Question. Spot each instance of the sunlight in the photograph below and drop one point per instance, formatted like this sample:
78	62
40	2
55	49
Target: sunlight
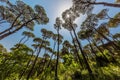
63	6
66	4
37	44
67	16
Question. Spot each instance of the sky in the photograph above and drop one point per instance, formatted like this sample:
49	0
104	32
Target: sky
54	8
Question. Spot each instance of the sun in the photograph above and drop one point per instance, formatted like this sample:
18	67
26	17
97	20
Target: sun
66	4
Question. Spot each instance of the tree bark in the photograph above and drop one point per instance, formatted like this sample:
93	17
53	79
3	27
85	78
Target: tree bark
56	67
87	65
112	54
27	64
114	44
34	61
47	66
92	50
100	50
105	4
77	54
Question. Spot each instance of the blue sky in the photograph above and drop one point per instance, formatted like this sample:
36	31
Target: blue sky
54	8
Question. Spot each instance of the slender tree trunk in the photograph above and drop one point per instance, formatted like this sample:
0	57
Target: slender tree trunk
20	42
114	44
87	65
27	64
115	40
77	54
109	51
57	61
52	54
41	71
83	54
43	65
100	50
29	74
47	66
26	40
22	39
92	50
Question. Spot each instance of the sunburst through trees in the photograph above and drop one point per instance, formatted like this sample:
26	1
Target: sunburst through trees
91	52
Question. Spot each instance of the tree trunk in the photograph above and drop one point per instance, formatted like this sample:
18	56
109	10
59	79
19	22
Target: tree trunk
112	54
40	64
26	40
92	50
114	44
27	64
87	65
77	54
20	42
29	74
56	67
47	66
100	50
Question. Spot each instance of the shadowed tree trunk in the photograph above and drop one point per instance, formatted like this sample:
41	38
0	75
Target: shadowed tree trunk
51	55
57	26
29	74
111	53
87	65
56	68
49	62
114	44
80	60
100	50
27	65
91	47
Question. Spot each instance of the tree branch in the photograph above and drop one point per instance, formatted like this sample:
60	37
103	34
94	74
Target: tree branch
11	32
105	4
11	25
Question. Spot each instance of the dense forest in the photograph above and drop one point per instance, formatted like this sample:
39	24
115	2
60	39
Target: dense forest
98	59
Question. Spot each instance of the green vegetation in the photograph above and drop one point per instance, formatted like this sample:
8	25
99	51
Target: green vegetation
14	66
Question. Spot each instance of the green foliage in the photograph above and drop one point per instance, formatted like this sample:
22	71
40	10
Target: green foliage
13	63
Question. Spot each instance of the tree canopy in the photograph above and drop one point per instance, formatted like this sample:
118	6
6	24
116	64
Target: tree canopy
91	52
